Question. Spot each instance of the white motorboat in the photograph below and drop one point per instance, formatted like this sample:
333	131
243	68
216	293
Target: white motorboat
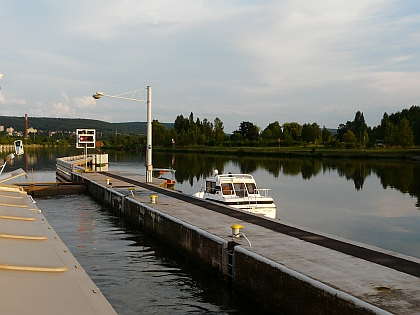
239	191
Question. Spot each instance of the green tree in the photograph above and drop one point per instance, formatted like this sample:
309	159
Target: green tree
349	137
267	134
207	131
193	134
294	130
272	131
359	126
404	133
287	138
307	134
326	135
219	133
342	130
160	134
311	133
181	124
249	131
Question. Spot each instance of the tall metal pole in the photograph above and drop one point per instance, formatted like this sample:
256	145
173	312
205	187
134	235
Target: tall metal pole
149	166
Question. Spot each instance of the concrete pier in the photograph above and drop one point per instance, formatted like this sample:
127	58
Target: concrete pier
286	268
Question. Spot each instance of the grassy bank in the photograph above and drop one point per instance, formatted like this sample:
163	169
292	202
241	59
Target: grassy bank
306	152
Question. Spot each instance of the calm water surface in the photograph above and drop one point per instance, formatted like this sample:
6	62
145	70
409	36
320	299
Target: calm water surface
375	203
137	274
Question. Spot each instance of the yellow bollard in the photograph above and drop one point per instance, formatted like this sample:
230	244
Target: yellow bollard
236	229
153	198
108	180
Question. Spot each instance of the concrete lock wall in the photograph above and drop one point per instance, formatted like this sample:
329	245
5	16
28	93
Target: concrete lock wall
198	244
208	249
290	292
273	285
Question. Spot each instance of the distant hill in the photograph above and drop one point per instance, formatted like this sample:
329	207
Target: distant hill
333	131
47	124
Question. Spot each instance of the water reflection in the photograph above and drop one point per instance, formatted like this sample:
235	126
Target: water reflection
403	176
136	273
373	202
191	168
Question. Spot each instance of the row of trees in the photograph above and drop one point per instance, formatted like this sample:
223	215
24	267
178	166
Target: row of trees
43	139
398	129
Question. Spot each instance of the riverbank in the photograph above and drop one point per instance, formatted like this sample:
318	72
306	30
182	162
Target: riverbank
304	152
313	152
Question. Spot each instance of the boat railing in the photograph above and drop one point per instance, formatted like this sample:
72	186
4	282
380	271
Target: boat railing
248	176
263	191
245	193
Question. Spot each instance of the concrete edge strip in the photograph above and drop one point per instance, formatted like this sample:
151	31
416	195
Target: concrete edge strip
24	237
314	283
33	268
12	205
11	197
10	217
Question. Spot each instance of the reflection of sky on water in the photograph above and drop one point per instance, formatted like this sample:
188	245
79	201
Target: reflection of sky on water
132	269
380	217
326	202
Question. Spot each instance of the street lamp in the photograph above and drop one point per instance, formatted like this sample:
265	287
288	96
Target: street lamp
124	96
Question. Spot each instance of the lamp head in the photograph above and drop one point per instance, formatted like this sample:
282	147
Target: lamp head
98	95
9	157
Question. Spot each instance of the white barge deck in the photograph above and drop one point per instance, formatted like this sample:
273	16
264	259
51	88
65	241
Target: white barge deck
38	273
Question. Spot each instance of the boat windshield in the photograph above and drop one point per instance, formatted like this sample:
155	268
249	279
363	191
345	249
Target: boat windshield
210	187
252	189
244	189
227	189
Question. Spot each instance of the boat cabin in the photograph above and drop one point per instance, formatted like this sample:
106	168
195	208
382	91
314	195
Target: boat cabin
240	185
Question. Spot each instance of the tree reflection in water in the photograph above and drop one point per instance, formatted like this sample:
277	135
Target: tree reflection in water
403	176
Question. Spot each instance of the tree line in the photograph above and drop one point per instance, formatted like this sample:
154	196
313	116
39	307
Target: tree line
398	129
401	129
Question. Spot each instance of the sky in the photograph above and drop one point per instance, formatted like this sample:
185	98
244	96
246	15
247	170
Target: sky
259	61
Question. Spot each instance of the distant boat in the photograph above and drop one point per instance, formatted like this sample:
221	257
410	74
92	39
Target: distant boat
239	191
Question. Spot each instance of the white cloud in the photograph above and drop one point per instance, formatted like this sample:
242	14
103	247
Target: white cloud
10	102
60	110
85	101
243	60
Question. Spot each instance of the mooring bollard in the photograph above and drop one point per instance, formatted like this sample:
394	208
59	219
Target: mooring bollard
108	181
236	229
131	191
153	198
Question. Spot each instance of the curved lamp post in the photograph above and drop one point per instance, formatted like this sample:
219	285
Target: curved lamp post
125	96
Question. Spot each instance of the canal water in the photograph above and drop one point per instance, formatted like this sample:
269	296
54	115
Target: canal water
136	273
372	202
